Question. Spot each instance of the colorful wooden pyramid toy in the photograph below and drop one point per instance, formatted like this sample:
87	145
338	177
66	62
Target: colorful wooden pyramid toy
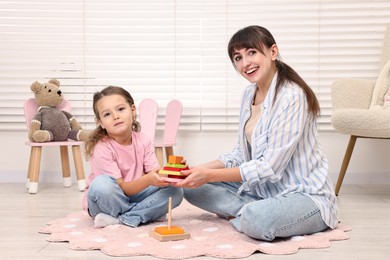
172	170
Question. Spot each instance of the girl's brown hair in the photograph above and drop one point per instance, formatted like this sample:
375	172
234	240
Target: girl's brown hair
258	37
100	133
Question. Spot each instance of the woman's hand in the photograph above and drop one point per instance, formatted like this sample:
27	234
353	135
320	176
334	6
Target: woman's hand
196	177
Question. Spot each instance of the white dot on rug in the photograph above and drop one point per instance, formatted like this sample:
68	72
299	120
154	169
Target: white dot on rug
199	238
266	244
134	244
74	219
195	221
143	235
210	229
76	233
297	238
99	240
179	246
225	246
70	226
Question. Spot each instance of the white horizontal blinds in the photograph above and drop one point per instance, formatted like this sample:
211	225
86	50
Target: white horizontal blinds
131	44
165	49
214	66
351	41
37	40
188	58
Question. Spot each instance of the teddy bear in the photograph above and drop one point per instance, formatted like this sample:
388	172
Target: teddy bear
51	123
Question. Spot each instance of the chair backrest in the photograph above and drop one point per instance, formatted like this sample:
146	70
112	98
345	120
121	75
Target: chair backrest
383	81
172	120
386	47
31	108
148	110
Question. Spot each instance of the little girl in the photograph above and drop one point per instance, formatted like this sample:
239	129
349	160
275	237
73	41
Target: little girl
123	186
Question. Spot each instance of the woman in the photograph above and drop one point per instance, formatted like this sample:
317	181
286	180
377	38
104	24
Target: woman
275	181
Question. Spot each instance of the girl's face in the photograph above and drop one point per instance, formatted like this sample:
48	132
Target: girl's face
116	116
255	66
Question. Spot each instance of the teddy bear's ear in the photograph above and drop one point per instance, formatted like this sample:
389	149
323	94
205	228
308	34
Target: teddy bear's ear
55	82
36	87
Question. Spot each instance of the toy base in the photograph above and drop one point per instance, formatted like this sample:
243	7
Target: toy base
173	237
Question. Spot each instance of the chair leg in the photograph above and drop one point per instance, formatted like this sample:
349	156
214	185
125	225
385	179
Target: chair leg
168	151
65	166
344	166
30	167
159	154
78	162
34	168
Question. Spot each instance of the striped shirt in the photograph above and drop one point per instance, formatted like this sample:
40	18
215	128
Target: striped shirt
285	156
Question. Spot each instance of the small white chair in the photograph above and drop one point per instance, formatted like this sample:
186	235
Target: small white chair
172	120
30	110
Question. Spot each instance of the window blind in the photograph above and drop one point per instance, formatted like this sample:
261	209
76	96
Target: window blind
177	49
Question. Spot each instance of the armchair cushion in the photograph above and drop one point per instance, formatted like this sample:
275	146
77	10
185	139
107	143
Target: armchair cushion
362	107
374	122
352	93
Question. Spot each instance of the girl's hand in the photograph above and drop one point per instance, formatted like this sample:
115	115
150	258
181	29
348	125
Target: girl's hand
156	180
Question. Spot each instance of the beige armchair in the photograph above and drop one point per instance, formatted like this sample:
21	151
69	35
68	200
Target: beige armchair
358	109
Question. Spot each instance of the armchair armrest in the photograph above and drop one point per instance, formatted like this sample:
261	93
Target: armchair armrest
352	93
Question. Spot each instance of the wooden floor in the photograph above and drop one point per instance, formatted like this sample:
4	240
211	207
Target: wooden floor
365	208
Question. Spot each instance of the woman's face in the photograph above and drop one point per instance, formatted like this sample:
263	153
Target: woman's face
255	66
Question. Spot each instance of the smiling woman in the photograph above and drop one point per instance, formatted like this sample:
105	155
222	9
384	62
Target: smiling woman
277	162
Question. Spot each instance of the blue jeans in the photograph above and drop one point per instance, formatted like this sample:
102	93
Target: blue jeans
283	216
105	196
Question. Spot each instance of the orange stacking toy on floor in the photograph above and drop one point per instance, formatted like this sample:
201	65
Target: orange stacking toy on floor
169	233
172	170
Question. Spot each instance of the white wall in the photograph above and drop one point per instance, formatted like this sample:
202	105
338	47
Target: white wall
369	162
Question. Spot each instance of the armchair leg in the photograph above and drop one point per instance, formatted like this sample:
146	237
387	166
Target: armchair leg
344	166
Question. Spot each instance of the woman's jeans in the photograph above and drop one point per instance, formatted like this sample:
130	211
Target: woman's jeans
265	219
106	196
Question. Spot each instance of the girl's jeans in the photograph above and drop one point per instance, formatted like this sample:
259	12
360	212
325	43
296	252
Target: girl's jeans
105	196
265	219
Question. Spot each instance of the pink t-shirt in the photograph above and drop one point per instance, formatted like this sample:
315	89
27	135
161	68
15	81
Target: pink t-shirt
129	162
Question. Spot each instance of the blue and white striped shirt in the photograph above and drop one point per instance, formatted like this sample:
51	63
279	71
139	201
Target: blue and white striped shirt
285	156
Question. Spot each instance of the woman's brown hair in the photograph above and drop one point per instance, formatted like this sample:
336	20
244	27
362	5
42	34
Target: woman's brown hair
258	37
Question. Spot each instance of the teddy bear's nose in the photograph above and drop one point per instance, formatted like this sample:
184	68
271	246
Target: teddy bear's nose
59	92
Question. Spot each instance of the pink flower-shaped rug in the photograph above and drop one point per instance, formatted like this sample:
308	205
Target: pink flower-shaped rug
210	236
